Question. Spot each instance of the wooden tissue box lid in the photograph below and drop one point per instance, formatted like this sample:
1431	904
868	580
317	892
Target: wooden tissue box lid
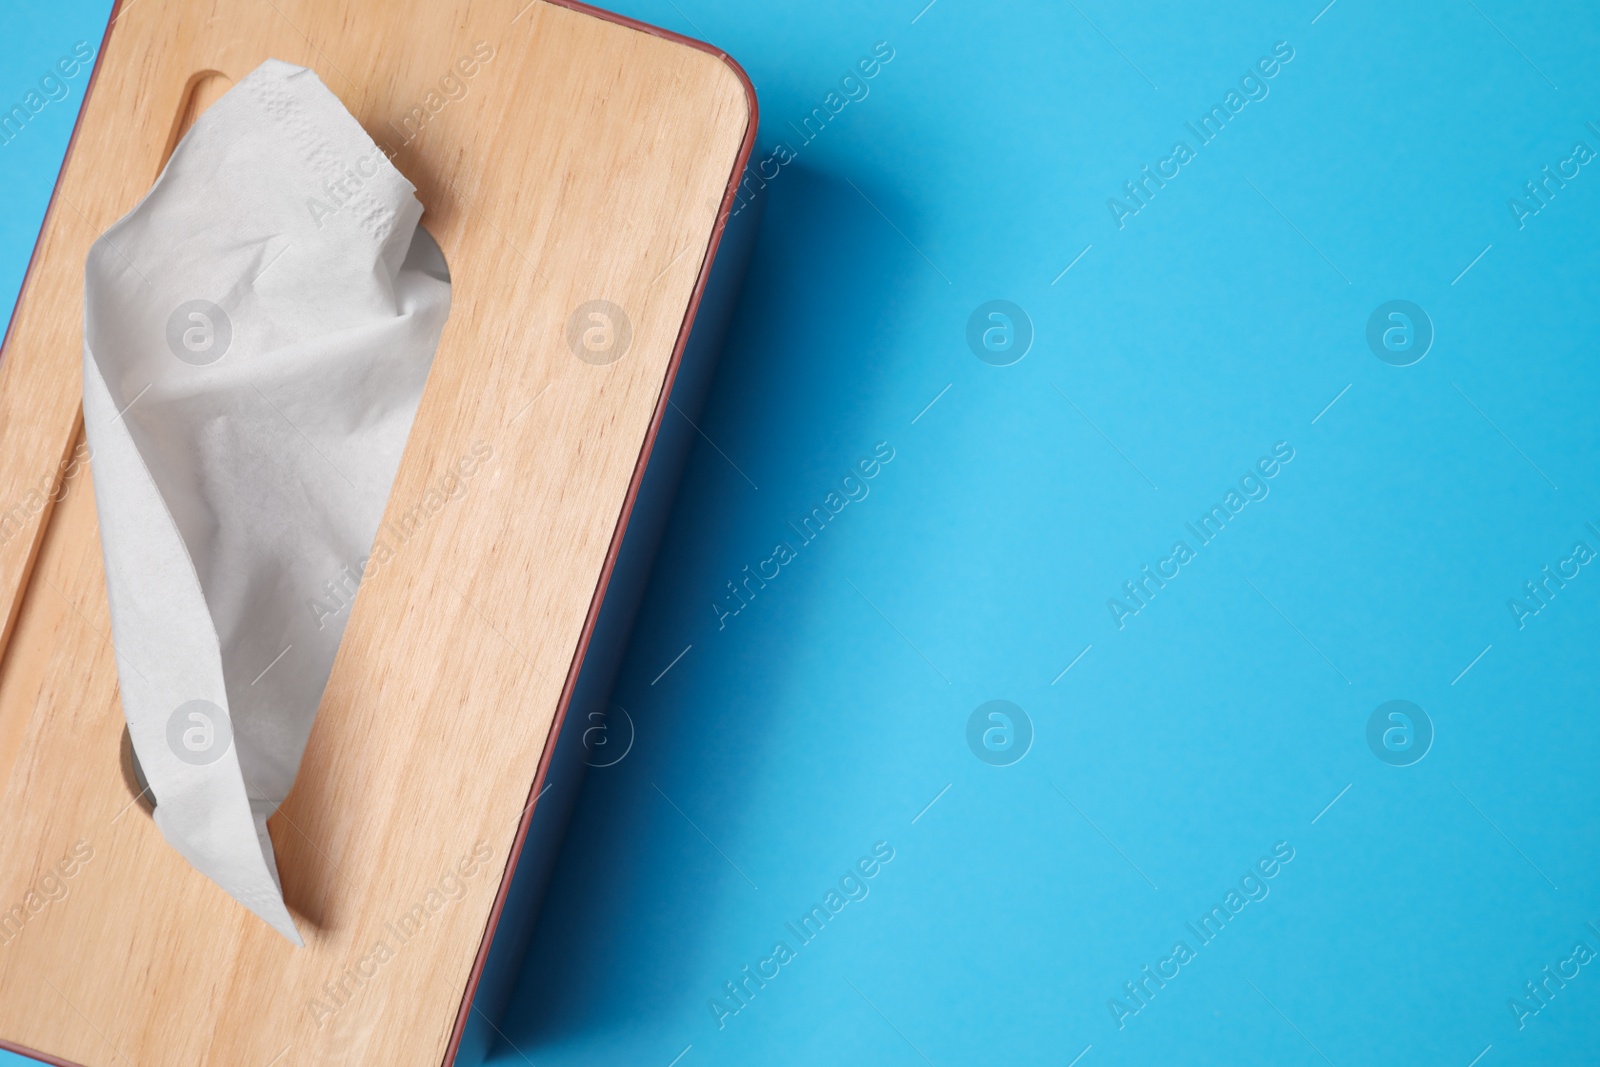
583	158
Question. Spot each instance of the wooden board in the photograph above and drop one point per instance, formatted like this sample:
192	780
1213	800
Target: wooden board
586	158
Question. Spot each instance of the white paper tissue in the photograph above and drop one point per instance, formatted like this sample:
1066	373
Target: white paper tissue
257	332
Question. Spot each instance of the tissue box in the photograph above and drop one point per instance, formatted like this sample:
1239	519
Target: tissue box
580	172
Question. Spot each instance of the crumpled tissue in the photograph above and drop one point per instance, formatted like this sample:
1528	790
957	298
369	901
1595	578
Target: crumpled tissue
257	333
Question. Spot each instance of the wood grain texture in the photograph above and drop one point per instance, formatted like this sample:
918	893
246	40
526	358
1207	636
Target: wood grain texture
585	160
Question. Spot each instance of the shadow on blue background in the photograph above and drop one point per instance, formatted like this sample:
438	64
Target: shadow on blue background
1222	728
730	519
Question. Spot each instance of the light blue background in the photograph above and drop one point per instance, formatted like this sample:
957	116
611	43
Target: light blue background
1228	714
